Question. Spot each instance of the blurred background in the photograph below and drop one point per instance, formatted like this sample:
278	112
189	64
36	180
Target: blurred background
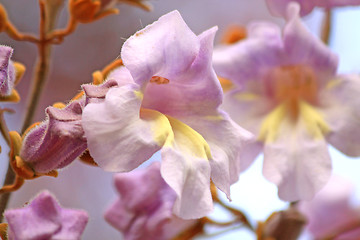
94	45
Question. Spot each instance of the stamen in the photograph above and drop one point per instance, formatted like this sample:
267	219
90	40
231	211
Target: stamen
159	80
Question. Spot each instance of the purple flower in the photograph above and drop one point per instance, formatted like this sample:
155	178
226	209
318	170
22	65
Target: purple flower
7	71
287	93
167	98
144	210
331	211
44	218
57	141
278	7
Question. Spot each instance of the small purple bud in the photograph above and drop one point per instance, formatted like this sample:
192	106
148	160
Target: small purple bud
7	71
57	141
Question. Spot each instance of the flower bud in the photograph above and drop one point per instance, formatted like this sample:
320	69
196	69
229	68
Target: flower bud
57	141
44	218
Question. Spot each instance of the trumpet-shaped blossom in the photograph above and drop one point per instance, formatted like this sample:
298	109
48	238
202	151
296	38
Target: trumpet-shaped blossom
44	218
7	71
57	141
287	93
144	210
278	7
333	203
166	98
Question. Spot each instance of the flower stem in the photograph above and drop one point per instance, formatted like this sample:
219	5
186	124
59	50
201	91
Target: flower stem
326	27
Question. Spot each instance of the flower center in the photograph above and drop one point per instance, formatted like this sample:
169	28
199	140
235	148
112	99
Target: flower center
159	80
292	84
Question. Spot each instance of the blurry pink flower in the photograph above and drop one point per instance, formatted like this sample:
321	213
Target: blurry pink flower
57	141
44	218
331	211
167	99
144	210
287	93
278	7
7	71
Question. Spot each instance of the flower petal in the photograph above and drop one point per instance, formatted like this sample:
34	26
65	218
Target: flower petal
117	138
261	50
165	48
232	148
341	107
198	87
301	47
185	168
278	7
297	162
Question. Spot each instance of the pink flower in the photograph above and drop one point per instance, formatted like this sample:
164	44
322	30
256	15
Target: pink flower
278	7
44	218
7	71
144	210
287	93
330	211
167	99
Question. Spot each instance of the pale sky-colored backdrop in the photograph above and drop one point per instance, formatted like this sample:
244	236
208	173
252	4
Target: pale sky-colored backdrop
94	45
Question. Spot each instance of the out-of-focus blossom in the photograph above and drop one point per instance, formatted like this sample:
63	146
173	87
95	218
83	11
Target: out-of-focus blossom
144	210
57	141
44	218
278	7
167	99
287	93
331	211
10	74
137	3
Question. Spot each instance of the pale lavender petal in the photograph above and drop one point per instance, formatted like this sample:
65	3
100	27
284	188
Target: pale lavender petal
145	206
262	50
57	141
118	139
341	109
165	48
197	87
297	162
336	3
185	167
332	202
7	71
44	218
303	48
232	148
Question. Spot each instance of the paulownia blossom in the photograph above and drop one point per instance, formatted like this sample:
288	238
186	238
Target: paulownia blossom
278	7
331	211
44	218
144	209
166	98
287	93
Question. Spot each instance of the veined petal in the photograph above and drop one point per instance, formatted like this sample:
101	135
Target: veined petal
185	168
120	137
297	160
198	87
261	50
232	148
165	48
341	107
301	47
